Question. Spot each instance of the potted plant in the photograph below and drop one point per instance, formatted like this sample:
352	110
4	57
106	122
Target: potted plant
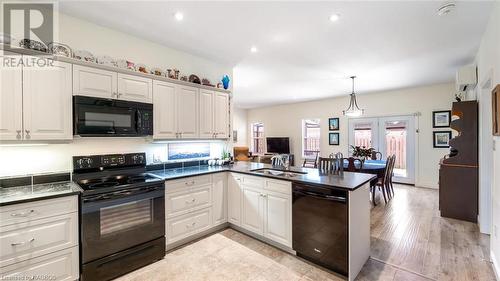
362	152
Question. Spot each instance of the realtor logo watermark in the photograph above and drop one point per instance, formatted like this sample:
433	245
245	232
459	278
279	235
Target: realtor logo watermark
30	24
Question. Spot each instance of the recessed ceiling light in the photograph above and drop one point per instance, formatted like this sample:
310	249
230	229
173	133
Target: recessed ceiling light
254	49
179	16
446	9
334	17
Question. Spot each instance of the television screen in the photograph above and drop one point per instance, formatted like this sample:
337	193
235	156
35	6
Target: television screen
278	145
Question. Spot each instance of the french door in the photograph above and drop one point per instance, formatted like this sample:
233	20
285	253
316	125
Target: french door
394	135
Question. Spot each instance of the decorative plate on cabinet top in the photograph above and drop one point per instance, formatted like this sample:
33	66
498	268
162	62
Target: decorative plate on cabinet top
33	45
141	68
194	79
60	49
84	55
184	78
106	60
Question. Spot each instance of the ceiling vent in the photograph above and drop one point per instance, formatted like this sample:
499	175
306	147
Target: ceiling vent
466	78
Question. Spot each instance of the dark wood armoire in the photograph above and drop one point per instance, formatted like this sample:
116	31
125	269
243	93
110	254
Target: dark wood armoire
458	173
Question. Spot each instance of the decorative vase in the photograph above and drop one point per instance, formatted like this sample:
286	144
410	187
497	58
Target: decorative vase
225	82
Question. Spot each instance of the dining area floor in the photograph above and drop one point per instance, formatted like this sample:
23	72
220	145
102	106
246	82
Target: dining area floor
409	242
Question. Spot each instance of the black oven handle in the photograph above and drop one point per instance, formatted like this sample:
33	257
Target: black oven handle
96	202
321	196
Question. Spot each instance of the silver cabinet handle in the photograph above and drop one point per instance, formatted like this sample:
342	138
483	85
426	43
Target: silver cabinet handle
180	135
22	243
27	134
18	136
189	183
23	214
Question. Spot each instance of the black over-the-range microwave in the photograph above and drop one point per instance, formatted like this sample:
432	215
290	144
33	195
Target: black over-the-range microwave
98	117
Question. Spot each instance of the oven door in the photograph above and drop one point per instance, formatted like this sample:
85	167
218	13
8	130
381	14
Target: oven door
101	117
115	222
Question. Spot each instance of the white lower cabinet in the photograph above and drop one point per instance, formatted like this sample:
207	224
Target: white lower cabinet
59	266
219	195
265	211
186	225
234	199
40	239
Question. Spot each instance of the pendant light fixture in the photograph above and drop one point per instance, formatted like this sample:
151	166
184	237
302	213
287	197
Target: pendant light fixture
353	110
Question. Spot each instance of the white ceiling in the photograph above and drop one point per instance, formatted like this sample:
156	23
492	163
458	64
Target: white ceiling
302	55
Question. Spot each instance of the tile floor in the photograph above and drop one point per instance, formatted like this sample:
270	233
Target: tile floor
410	242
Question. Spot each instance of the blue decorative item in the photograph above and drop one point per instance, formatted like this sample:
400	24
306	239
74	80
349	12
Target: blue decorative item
225	82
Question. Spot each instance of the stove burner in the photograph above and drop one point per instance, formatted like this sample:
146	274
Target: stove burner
103	184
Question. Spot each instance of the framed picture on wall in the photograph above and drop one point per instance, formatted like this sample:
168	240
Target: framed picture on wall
333	124
334	138
495	102
441	119
441	139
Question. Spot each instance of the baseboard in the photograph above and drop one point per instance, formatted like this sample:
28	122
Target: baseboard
496	269
197	236
427	185
263	239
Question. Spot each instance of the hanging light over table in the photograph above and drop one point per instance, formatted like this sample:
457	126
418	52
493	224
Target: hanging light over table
353	110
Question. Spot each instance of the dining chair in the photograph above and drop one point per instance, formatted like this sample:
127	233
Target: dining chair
326	165
376	155
383	182
391	174
311	162
351	167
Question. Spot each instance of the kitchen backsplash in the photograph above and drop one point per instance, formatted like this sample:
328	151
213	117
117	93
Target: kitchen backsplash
51	158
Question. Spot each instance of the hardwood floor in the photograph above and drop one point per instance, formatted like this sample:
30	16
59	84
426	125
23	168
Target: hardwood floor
410	242
409	233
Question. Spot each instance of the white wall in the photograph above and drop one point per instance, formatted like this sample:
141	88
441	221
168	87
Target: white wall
99	40
488	61
285	120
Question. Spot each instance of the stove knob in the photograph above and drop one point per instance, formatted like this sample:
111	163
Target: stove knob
138	158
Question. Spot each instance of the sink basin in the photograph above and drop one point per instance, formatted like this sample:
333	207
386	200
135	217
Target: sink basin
280	173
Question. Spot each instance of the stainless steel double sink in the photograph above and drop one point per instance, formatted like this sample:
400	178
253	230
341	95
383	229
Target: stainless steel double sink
278	173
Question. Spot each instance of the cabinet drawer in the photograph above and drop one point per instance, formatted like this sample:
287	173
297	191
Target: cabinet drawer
253	181
183	226
185	201
279	186
175	185
25	212
61	265
32	239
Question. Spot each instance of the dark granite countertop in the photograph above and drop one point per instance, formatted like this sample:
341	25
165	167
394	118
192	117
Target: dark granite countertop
347	180
33	192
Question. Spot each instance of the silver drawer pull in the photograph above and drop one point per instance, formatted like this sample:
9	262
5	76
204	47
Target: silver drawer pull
22	243
191	201
23	214
189	183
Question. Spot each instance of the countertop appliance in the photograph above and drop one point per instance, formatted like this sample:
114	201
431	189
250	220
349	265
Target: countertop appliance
97	117
122	214
320	226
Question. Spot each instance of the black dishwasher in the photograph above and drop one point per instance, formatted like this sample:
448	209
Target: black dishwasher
320	226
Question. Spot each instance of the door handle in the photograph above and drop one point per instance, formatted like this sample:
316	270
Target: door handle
27	134
22	243
23	214
18	136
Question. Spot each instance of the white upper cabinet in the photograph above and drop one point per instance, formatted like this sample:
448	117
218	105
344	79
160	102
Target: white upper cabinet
187	112
206	114
164	110
88	81
11	100
47	102
221	115
135	88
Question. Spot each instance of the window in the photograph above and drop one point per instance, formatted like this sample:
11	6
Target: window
258	140
311	136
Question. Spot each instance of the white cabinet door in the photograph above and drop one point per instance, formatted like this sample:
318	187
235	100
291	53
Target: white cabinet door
234	199
11	99
187	111
219	195
251	209
135	88
47	102
221	115
88	81
277	218
206	114
164	113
